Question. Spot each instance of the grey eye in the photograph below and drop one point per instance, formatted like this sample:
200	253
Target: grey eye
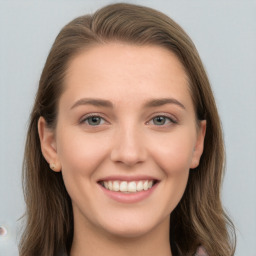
160	120
94	120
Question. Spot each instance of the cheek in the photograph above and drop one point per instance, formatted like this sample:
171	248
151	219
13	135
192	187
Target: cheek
80	157
175	187
174	159
174	153
79	152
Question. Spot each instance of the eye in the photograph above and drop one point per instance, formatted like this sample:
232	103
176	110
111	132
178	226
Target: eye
161	120
93	120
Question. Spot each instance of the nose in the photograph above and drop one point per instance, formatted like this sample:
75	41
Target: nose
128	146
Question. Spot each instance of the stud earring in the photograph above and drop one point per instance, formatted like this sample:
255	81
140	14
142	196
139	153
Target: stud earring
52	166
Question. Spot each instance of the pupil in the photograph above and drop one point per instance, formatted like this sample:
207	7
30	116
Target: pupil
159	120
94	120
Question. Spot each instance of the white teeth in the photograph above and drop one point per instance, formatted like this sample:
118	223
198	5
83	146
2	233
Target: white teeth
116	186
105	184
140	186
123	186
110	186
132	186
126	186
145	185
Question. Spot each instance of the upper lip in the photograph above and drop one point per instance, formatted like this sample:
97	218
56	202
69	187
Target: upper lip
128	178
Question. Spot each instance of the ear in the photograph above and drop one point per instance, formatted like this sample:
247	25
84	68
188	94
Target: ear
199	146
48	145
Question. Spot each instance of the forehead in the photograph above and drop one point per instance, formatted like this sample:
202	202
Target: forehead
117	70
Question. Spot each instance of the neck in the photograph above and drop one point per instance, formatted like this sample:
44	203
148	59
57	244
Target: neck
91	242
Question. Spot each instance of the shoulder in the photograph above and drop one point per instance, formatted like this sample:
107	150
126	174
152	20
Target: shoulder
201	252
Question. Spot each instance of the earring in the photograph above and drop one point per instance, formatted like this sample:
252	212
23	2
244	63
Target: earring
52	166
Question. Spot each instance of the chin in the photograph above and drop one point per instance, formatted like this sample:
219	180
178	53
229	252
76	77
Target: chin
128	231
134	227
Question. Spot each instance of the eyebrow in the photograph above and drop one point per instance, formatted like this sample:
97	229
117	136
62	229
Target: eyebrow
108	104
94	102
163	101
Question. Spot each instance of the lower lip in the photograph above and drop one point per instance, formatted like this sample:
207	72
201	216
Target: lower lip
129	197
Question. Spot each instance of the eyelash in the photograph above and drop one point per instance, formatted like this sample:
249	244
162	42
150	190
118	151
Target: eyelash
87	117
165	116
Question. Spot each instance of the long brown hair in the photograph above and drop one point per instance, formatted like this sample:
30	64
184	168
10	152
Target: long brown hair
199	218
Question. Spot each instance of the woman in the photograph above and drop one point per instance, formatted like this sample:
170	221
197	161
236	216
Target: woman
124	151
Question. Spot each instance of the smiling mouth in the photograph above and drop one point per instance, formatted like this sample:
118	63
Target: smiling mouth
128	186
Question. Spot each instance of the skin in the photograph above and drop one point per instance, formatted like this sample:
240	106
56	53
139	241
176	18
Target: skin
128	141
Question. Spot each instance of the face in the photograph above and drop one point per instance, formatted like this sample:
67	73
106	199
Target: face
126	137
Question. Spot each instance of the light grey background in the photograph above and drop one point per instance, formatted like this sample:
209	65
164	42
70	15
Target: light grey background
225	35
